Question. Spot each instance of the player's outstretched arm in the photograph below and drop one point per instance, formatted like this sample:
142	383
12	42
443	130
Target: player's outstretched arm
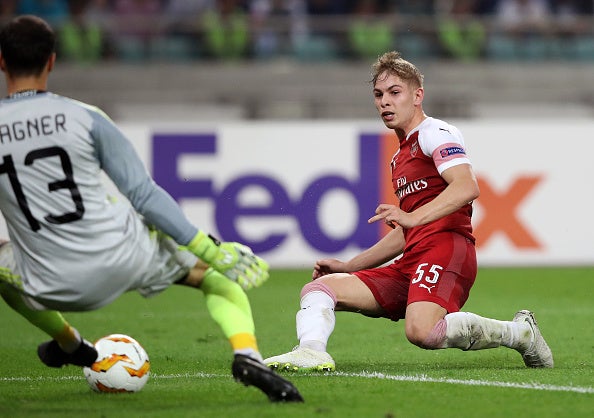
386	249
234	260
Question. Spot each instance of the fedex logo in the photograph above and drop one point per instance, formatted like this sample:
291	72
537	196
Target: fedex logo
365	190
371	185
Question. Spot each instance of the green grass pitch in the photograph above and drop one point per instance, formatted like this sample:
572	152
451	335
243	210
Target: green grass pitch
379	374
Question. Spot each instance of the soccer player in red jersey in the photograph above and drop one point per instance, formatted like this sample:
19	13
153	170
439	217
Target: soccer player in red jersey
431	243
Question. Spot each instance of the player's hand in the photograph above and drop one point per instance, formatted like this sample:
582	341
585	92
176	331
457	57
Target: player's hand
240	264
328	266
393	216
234	260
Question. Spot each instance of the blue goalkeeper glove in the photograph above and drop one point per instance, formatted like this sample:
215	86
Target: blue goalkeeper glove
234	260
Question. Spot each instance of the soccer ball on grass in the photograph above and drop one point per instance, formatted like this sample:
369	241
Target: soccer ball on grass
122	365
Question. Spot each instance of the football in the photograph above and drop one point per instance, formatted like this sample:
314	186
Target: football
122	365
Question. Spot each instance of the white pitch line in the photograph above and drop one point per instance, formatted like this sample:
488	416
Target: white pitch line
471	382
71	378
364	374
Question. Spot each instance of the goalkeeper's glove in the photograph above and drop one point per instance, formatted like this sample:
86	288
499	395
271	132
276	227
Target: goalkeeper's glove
234	260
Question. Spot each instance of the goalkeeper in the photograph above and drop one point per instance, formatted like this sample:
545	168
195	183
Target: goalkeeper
73	247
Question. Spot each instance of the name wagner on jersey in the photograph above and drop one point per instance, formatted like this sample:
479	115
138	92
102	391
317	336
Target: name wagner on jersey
32	128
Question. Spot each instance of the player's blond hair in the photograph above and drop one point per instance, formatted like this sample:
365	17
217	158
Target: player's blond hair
392	63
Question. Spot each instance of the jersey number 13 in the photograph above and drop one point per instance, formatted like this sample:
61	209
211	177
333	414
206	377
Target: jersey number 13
7	167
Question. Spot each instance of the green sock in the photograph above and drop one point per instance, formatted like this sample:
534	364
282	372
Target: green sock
50	322
229	306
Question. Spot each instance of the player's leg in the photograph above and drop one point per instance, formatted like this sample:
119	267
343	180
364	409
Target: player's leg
230	308
228	305
441	285
468	331
66	346
429	326
226	301
315	320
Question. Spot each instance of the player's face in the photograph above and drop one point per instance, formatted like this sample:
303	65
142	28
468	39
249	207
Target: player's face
397	102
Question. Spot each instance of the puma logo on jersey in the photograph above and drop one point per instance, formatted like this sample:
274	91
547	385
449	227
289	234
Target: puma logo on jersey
427	287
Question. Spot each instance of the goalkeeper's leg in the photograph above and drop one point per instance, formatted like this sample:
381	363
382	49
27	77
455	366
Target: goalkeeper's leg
66	346
229	306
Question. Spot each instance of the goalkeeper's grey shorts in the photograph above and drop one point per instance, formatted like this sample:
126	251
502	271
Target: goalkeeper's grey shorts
161	264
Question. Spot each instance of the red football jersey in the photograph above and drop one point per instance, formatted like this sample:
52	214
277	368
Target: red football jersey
427	151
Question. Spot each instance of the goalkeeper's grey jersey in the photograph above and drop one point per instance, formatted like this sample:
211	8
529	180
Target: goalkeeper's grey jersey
66	230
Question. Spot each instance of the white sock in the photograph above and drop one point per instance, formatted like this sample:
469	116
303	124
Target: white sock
469	331
315	320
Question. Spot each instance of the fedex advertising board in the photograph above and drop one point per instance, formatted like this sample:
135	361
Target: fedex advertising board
291	193
296	192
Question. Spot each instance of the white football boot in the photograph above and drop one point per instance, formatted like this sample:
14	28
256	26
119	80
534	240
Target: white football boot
302	359
537	353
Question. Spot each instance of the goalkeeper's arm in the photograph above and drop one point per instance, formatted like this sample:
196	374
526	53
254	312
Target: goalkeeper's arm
121	163
236	261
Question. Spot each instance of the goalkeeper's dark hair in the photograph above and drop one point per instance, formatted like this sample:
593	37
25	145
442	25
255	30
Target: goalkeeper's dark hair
26	43
392	63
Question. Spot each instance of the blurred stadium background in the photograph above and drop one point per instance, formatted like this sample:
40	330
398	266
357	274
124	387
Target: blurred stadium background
285	83
307	59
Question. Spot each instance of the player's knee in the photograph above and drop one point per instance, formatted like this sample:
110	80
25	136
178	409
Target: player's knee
318	286
415	333
429	337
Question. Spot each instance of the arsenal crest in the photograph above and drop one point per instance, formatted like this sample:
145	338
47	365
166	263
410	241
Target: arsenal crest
414	147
